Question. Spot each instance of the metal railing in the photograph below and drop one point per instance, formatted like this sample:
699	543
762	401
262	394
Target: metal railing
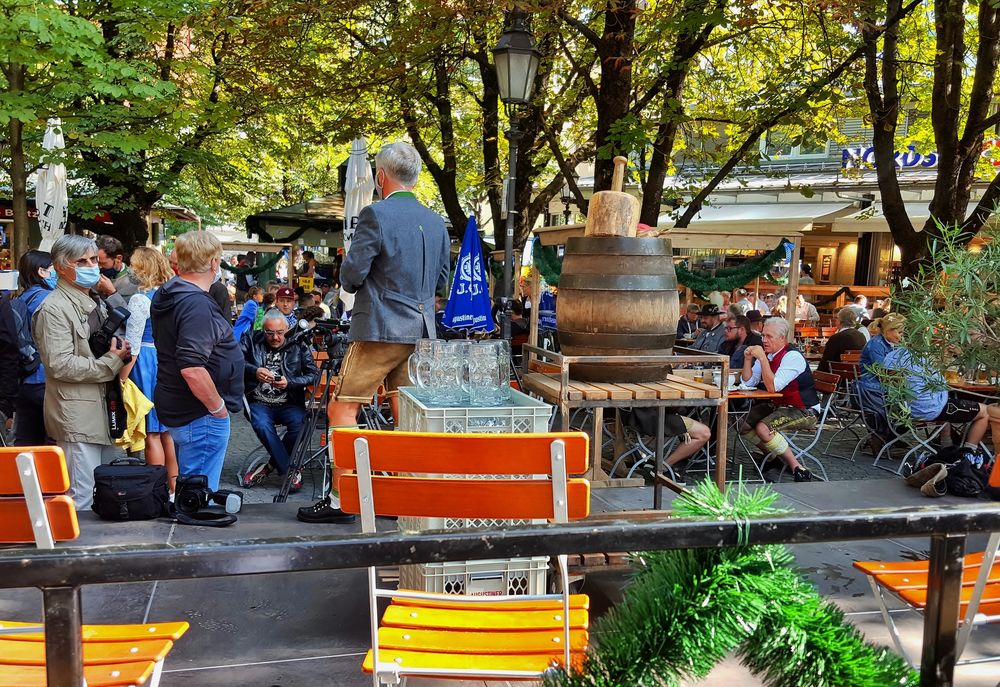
60	573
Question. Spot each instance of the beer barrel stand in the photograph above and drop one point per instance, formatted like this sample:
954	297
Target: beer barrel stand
547	374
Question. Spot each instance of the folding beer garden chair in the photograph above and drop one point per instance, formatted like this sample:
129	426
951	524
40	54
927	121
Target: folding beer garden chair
516	637
907	581
802	442
34	507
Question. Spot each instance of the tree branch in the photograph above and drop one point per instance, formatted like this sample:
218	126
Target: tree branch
696	203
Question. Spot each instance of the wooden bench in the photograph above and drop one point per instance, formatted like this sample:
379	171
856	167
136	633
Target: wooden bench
510	637
907	581
34	508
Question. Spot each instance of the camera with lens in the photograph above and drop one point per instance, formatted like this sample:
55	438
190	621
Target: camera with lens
193	494
100	341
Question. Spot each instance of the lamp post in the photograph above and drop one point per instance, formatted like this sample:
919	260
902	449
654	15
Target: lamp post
567	198
516	59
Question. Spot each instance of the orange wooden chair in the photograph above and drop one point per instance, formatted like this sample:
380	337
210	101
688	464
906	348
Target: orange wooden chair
850	357
457	636
806	332
907	581
34	507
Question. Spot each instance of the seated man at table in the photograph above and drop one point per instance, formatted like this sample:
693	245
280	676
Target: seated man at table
739	335
687	326
847	338
692	434
275	379
713	331
779	367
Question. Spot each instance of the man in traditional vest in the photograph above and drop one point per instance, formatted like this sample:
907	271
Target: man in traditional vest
780	368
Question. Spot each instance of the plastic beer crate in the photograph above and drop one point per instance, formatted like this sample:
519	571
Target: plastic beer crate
523	415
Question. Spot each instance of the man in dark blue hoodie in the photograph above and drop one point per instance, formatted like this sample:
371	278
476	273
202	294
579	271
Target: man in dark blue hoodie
200	376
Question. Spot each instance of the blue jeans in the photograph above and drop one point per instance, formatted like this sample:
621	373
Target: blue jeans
201	447
264	419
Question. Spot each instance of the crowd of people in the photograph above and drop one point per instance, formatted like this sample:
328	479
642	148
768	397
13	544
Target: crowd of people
184	348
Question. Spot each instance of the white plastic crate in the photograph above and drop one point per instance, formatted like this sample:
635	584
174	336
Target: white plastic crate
498	577
523	415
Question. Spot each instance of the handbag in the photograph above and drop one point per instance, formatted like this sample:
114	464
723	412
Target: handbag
128	489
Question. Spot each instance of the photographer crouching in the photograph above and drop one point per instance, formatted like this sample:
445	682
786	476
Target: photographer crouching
75	406
275	375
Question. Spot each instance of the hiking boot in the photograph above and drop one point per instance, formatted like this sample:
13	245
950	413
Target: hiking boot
801	475
323	512
256	475
296	481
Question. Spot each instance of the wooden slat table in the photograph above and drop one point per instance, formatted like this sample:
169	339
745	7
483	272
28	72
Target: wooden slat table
675	391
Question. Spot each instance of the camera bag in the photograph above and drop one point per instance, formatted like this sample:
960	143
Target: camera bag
128	489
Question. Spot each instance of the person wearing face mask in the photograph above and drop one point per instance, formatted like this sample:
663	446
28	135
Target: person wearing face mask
75	406
36	279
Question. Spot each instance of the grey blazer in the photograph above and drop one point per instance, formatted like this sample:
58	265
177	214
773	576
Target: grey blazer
397	262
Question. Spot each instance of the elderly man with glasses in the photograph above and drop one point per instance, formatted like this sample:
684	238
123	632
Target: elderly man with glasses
276	373
75	405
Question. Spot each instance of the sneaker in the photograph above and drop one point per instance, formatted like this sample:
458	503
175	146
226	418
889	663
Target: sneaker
802	475
296	483
256	475
323	512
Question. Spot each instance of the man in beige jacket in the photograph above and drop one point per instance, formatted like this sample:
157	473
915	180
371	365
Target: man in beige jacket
75	407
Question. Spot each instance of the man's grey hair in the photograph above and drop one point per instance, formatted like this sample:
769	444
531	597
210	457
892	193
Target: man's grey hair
70	248
274	315
401	161
847	317
778	323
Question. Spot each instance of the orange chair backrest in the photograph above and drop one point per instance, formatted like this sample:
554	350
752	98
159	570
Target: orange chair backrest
826	382
807	332
845	370
465	459
53	478
850	357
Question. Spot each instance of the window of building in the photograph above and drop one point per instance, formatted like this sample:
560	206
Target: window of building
785	144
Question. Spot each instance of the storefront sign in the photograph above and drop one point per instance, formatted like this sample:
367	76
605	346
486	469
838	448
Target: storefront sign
852	158
8	213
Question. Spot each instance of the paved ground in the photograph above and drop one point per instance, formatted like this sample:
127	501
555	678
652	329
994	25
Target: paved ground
312	628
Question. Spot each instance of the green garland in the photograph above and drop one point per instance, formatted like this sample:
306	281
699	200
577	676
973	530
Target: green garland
729	278
549	266
256	269
546	261
688	609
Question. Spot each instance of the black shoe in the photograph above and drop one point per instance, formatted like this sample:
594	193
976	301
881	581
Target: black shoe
802	475
323	512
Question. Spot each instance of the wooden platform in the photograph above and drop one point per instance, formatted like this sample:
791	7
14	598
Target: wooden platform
674	387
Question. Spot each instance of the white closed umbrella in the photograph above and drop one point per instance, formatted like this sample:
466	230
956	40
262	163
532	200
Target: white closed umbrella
358	189
50	190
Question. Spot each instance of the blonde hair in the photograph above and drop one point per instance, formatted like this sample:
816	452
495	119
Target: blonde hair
195	251
150	267
887	323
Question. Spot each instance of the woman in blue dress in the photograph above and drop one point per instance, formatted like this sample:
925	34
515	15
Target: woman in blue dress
151	269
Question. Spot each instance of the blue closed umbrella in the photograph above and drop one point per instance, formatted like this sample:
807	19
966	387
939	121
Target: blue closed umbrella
469	304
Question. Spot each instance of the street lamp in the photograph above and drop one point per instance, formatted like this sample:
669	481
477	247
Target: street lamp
567	198
517	59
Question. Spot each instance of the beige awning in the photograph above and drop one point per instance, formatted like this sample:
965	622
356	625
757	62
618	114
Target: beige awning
778	218
871	220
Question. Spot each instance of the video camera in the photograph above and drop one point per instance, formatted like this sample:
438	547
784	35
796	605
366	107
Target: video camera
193	495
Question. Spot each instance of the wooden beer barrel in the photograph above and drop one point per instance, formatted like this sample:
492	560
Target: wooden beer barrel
617	296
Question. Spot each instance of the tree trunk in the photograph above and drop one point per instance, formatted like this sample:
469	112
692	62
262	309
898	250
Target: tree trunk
615	50
131	226
18	173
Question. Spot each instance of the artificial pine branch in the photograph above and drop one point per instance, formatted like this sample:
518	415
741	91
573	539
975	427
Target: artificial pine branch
686	610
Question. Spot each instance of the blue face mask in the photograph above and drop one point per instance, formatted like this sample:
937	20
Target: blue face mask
50	281
87	277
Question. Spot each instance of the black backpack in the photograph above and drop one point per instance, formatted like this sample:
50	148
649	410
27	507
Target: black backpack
963	478
28	356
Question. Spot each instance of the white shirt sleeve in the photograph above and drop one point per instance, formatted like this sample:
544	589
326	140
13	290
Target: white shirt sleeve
792	365
754	375
138	305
